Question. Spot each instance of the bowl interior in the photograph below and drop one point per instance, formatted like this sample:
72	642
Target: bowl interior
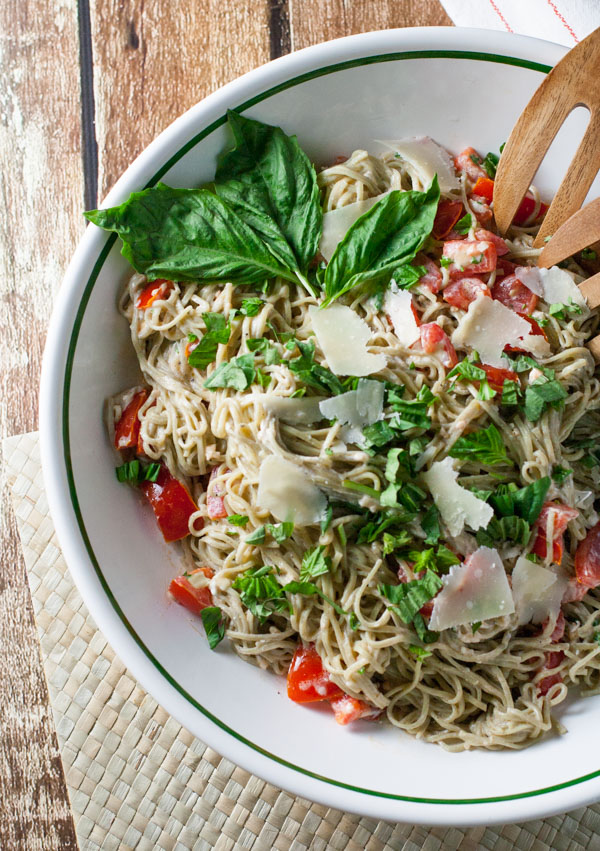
459	100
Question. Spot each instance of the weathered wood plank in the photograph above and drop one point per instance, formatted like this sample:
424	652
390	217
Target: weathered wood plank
312	21
151	65
42	193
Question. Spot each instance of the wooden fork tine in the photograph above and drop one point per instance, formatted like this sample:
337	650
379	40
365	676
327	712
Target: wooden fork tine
573	82
579	231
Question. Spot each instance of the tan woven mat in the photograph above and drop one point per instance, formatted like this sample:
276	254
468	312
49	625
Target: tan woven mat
137	779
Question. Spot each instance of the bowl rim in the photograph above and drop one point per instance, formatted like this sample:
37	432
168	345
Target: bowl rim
73	296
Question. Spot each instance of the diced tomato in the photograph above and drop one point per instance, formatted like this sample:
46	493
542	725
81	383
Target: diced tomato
434	340
484	188
307	680
469	257
525	211
415	314
481	209
186	594
562	515
470	162
559	628
347	709
127	430
448	213
587	560
433	277
501	246
514	294
153	291
496	376
551	661
172	504
462	292
504	267
214	500
189	347
536	331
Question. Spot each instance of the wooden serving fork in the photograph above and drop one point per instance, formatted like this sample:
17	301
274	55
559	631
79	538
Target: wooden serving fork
575	81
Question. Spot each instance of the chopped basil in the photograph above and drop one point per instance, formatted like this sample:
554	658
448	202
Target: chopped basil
588	254
484	445
212	618
326	521
313	374
261	593
513	529
342	535
560	474
237	519
135	472
467	370
490	164
238	373
218	330
251	306
541	395
315	563
526	502
430	523
408	597
511	393
280	532
358	487
419	652
264	347
465	224
392	542
436	560
475	627
308	589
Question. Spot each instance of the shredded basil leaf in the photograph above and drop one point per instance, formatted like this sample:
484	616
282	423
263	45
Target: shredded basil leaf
237	519
238	373
212	618
484	445
315	563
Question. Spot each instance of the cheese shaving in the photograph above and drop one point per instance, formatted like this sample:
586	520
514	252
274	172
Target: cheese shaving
343	337
456	504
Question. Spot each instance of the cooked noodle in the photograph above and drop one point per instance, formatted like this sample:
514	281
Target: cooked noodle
476	689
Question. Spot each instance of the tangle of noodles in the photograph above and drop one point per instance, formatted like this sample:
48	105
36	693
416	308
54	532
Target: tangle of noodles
475	689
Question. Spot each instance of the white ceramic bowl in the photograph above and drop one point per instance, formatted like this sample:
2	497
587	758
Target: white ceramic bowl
463	87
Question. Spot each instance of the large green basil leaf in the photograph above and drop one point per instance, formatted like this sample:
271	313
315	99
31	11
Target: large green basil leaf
268	180
383	239
188	235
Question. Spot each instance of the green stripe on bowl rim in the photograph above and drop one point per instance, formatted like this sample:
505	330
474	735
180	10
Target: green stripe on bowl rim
329	69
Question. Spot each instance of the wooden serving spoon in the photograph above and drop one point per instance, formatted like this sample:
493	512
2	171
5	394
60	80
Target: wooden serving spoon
575	81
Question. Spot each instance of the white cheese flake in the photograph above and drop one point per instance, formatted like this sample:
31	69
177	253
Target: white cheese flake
488	326
530	276
336	223
398	306
537	591
301	410
358	408
424	159
474	591
560	288
287	492
343	337
456	504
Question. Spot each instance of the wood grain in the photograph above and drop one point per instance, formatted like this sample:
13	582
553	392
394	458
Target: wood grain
312	21
42	196
149	66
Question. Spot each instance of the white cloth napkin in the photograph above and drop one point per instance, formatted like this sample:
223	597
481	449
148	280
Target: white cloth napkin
563	21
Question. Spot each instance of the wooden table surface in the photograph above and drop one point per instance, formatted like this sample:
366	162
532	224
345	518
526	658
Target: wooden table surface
85	87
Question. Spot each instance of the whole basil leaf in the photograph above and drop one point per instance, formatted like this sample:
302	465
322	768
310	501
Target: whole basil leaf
188	235
268	180
383	239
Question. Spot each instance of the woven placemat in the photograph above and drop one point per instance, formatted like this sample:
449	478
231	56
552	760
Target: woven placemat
138	779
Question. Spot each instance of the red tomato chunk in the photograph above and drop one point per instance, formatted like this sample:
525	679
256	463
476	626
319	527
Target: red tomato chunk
552	661
186	594
448	213
347	709
152	292
434	340
307	679
496	376
172	504
469	257
462	292
127	430
562	515
587	559
501	246
514	294
484	188
469	161
432	279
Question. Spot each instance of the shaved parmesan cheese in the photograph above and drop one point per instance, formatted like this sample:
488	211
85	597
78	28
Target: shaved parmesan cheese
360	407
287	492
298	410
530	276
488	326
474	591
560	288
424	159
456	504
537	591
398	306
343	337
337	222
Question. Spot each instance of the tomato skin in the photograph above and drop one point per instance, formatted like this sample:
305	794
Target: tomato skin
484	188
562	515
514	294
481	209
462	292
159	288
172	504
525	210
127	430
433	277
448	213
434	340
501	246
193	599
347	709
469	257
587	560
464	162
552	660
307	680
215	503
496	376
